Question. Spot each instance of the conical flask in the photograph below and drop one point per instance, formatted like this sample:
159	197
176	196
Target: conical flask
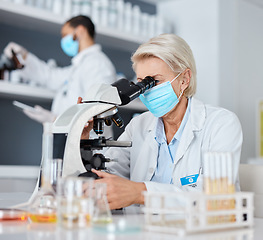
102	213
43	206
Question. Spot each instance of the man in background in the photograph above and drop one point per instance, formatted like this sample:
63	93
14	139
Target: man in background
89	66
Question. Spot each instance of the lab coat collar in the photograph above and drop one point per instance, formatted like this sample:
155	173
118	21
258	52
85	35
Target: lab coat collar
197	115
195	123
79	57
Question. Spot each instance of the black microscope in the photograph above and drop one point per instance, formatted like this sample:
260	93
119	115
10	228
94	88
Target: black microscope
77	153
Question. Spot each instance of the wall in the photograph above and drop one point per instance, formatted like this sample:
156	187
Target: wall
190	19
249	74
226	38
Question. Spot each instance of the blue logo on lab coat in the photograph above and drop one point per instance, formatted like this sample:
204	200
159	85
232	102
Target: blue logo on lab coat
188	180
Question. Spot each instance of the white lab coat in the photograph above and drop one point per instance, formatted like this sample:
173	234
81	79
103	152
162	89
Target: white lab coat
90	66
208	129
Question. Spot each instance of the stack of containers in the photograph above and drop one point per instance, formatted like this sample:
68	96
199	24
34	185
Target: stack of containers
218	179
114	14
218	207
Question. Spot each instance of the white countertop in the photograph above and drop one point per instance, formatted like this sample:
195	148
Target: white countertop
27	231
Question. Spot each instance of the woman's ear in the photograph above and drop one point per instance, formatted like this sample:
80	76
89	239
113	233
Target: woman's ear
187	74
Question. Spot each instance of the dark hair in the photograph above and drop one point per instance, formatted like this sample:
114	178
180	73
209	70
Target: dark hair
85	22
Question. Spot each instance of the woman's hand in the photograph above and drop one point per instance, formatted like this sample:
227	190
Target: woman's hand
120	191
88	126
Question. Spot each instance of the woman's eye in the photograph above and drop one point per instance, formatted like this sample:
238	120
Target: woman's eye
157	82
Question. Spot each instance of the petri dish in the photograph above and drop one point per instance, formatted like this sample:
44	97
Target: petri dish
9	214
121	225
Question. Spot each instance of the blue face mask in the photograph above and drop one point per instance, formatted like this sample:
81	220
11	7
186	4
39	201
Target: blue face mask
69	46
160	99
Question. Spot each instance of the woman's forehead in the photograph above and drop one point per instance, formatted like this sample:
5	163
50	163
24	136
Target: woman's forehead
151	67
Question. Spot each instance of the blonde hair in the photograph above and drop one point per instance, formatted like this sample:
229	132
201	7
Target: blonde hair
174	51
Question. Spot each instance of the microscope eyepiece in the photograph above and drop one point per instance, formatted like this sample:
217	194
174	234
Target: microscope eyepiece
147	83
128	91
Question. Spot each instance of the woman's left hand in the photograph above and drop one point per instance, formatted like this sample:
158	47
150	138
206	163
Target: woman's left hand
120	191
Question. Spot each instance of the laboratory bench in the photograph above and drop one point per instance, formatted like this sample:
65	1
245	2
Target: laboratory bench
127	224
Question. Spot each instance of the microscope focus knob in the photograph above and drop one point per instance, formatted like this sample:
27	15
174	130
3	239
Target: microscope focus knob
98	161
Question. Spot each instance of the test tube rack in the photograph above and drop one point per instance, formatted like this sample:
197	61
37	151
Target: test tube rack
190	212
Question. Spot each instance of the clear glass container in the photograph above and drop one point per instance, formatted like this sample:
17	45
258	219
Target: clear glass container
43	206
102	213
75	202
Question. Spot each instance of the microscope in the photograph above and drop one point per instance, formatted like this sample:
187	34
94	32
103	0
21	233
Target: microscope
102	107
10	64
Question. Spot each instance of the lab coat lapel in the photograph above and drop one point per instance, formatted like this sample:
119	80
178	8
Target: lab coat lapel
195	123
151	155
186	139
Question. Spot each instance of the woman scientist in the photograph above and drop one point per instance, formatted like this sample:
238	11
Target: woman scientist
169	140
89	66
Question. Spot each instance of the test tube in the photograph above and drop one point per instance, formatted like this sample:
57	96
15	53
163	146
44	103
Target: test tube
224	174
231	187
207	181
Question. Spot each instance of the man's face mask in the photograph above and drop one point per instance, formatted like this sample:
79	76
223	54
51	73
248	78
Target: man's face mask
69	45
160	99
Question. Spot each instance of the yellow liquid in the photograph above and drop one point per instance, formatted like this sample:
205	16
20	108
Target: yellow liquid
102	221
47	218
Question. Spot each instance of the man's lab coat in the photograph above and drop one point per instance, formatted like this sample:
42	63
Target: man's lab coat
208	129
91	66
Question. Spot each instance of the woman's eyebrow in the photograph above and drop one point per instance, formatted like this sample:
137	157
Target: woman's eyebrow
157	75
153	76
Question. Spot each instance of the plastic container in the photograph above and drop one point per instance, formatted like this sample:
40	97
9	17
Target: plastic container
76	7
190	212
57	7
67	7
104	13
86	8
95	12
136	20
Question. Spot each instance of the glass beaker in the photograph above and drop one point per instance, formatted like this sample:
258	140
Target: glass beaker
56	172
102	213
43	206
75	202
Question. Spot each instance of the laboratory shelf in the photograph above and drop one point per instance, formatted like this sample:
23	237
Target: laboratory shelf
45	21
24	91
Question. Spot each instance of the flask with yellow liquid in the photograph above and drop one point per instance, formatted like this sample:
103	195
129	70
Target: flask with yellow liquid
43	206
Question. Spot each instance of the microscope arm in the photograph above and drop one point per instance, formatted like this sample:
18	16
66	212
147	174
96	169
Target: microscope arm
71	124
